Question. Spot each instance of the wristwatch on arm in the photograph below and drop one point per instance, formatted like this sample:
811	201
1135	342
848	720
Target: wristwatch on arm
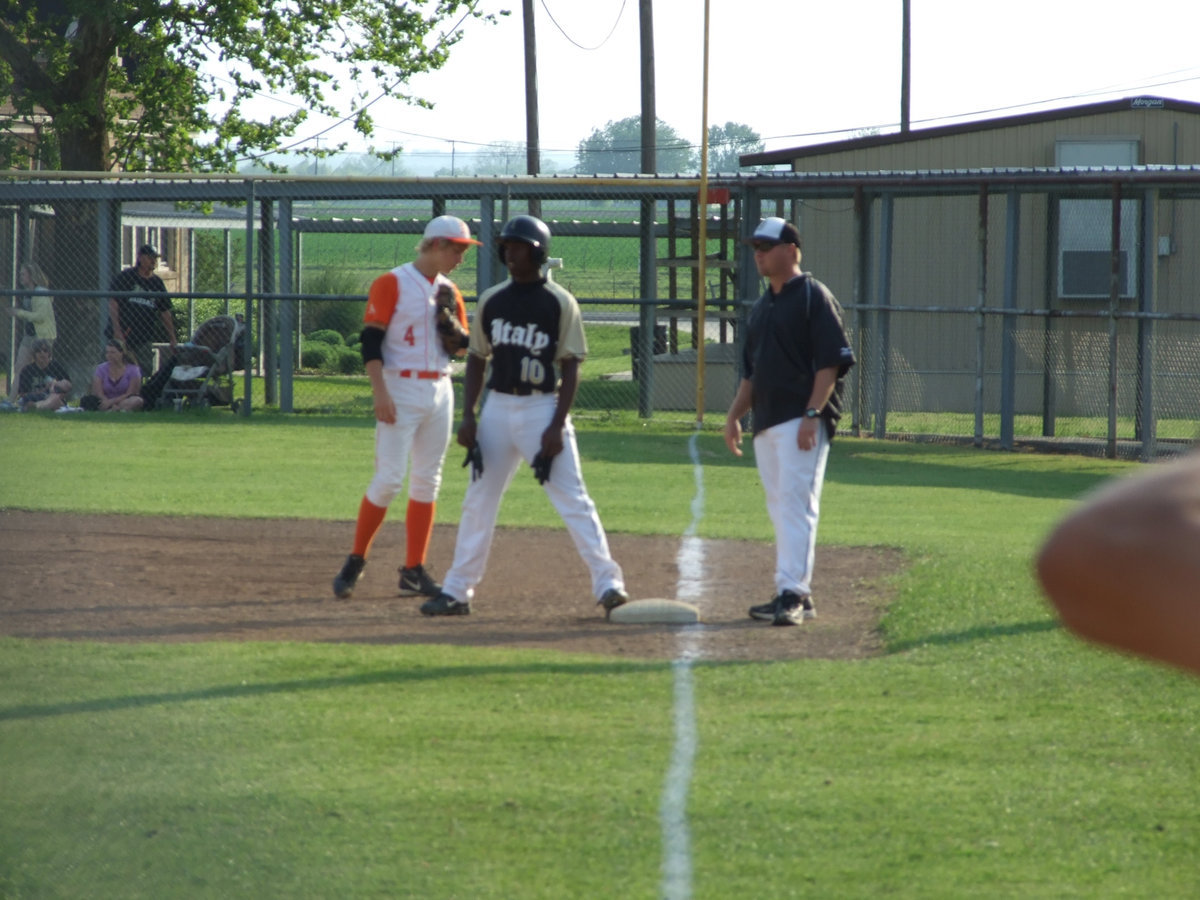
812	413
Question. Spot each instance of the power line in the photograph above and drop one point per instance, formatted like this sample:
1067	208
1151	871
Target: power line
383	93
1146	84
572	40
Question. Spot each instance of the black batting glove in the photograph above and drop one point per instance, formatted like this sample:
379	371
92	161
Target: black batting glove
475	461
541	467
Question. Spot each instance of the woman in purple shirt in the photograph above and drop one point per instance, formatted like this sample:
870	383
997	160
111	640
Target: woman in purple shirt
117	383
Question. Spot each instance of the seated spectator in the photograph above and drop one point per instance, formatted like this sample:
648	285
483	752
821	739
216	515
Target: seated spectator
44	383
117	383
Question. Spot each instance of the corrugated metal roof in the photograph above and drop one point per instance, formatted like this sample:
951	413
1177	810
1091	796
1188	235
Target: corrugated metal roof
787	156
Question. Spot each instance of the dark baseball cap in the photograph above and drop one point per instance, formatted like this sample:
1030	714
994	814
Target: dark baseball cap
147	250
775	229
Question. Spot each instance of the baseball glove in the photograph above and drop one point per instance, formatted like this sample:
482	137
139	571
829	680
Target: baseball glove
541	467
475	461
450	329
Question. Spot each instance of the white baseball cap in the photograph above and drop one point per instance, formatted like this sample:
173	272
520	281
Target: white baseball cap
775	229
450	228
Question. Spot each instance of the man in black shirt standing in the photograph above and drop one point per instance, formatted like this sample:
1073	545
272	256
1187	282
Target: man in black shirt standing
795	352
136	320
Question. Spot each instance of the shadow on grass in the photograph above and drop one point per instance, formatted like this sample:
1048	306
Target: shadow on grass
871	463
242	691
969	635
880	463
367	679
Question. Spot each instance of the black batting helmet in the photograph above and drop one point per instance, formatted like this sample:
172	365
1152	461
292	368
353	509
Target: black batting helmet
529	230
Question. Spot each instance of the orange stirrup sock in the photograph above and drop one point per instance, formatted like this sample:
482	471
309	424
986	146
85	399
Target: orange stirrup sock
370	520
418	526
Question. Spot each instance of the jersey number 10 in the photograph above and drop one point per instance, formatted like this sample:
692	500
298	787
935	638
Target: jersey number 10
532	370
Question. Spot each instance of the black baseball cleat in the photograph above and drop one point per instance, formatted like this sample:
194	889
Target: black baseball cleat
785	602
765	612
793	609
612	598
343	584
416	581
445	605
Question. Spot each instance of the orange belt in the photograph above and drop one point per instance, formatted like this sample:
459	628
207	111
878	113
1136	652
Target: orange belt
419	373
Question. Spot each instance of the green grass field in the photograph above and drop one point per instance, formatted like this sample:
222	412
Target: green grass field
985	753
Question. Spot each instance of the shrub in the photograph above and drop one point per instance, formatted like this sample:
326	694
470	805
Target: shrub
349	361
343	316
326	336
315	355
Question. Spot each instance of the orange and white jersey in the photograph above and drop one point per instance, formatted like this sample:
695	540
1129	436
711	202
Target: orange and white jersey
402	303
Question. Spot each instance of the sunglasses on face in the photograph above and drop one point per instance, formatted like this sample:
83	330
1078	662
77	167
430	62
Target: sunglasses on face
764	246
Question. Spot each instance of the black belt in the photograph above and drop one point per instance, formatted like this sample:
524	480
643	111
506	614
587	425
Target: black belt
519	391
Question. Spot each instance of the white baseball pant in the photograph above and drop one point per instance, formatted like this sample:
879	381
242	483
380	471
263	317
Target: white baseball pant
509	433
424	417
792	479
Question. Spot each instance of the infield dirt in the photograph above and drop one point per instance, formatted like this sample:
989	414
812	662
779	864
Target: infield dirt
133	578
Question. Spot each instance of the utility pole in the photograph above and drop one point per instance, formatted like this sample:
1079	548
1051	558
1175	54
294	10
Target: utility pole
905	63
531	103
649	115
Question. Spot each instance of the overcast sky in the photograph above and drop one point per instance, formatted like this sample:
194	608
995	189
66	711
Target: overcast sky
797	72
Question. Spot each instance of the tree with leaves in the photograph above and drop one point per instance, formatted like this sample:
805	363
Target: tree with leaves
728	142
139	86
617	148
168	86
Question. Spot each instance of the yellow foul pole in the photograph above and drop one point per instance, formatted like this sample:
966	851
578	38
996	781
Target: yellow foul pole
702	233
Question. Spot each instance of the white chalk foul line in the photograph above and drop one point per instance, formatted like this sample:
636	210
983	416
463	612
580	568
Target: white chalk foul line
676	836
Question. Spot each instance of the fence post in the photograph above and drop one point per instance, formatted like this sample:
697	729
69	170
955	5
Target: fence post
248	287
287	309
1008	350
1147	423
882	318
1114	307
1051	338
980	318
270	317
486	255
862	293
108	259
12	338
648	288
748	280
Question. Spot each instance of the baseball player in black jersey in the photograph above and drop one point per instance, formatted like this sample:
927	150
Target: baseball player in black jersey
795	352
531	330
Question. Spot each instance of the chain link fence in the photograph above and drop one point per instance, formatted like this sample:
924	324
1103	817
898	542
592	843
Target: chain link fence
982	308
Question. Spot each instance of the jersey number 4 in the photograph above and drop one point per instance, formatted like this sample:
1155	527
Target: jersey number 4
410	338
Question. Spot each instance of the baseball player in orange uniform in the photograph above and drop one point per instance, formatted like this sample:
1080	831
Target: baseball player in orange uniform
532	332
407	349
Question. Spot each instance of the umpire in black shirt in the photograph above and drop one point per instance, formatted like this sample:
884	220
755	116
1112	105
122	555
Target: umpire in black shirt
796	351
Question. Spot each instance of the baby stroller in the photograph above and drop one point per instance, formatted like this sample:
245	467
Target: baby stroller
201	372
